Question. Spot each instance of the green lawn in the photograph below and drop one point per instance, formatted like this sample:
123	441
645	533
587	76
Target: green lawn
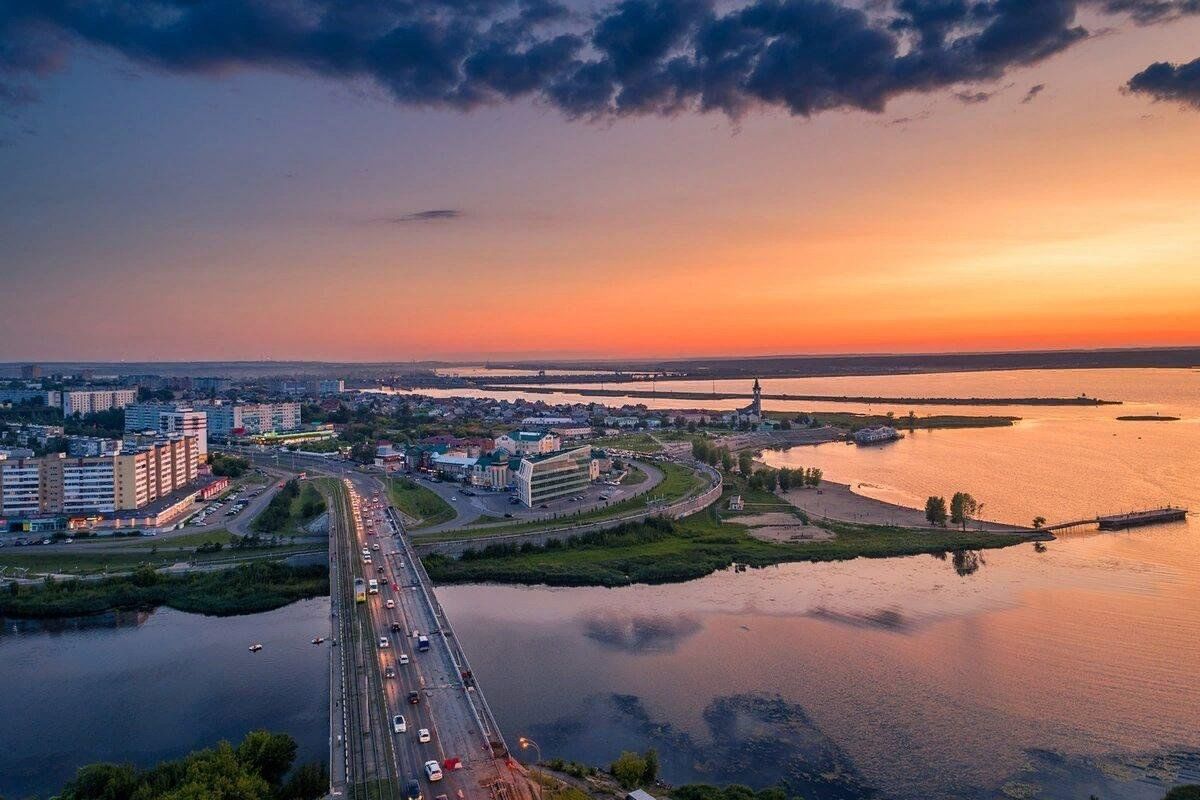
635	442
633	477
287	515
677	483
664	552
419	502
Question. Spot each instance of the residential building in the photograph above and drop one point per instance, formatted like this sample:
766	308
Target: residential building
31	372
546	422
50	399
541	478
519	443
169	418
453	466
35	434
331	386
212	385
574	431
82	446
495	470
140	474
248	419
89	401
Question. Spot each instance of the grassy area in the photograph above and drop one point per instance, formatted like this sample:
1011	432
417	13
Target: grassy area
677	483
660	551
245	589
633	476
852	421
635	442
80	563
419	502
295	505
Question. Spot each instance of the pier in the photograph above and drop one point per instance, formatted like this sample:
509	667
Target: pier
1130	519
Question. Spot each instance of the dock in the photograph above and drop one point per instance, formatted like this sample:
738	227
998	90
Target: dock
1154	516
1130	519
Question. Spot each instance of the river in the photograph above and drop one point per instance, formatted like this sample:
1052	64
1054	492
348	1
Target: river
147	687
1055	673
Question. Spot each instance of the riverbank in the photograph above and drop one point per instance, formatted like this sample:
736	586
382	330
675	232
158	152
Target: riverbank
244	589
662	551
838	502
818	398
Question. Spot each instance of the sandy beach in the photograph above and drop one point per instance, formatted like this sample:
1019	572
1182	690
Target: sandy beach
839	502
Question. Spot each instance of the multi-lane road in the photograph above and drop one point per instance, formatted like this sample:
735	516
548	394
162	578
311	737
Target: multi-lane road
433	689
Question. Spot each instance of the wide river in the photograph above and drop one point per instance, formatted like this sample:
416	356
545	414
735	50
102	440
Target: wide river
1053	673
1056	673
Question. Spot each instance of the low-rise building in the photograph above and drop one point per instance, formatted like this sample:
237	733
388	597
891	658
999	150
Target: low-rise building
35	434
519	443
573	431
82	446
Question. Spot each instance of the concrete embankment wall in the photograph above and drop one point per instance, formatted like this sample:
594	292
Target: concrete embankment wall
678	510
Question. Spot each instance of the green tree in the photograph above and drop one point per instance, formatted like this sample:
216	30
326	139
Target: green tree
935	510
814	477
629	769
785	479
963	508
745	462
1038	522
309	782
726	459
268	754
650	775
1189	792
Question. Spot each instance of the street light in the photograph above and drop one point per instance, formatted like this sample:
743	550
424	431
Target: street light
526	743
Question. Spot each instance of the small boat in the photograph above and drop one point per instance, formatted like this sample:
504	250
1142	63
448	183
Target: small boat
318	640
254	648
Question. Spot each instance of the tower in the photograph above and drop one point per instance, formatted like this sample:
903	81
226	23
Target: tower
756	406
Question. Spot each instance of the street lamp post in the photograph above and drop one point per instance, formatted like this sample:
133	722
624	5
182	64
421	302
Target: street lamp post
526	743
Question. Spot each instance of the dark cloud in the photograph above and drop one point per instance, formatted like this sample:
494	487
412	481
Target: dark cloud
430	215
630	57
1178	83
1033	92
973	98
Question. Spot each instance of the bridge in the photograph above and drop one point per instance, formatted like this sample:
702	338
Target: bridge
379	671
1131	519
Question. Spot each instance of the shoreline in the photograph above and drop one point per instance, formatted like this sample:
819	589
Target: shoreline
839	503
813	398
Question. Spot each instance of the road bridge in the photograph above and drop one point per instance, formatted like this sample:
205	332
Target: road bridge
446	717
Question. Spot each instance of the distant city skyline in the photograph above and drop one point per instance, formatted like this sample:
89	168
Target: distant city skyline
176	195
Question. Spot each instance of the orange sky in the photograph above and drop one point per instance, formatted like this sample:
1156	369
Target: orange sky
1070	221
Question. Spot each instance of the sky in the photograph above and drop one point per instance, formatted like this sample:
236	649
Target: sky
459	179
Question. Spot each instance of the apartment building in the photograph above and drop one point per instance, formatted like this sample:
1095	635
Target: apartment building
83	446
126	481
169	418
523	442
89	401
250	419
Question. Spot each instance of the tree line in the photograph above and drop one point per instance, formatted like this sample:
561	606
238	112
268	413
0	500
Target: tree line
963	508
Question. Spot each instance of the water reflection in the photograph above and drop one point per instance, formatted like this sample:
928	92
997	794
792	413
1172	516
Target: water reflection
639	633
111	620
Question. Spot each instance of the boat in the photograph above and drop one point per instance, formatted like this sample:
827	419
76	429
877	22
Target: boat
254	648
318	640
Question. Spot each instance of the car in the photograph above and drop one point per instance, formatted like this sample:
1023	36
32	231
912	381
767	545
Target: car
508	515
390	603
375	546
433	771
389	671
380	569
366	559
396	627
423	735
383	642
399	725
468	493
404	658
412	791
414	698
453	498
543	505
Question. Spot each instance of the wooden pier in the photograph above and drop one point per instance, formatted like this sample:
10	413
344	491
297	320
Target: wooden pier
1132	519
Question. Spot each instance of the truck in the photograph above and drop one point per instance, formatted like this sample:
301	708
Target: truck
422	642
360	590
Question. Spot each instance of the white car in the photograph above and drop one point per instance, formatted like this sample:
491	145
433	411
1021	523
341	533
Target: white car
423	735
398	724
375	546
433	771
390	603
383	642
403	658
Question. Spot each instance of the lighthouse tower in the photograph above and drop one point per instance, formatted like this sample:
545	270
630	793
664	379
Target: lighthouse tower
756	405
